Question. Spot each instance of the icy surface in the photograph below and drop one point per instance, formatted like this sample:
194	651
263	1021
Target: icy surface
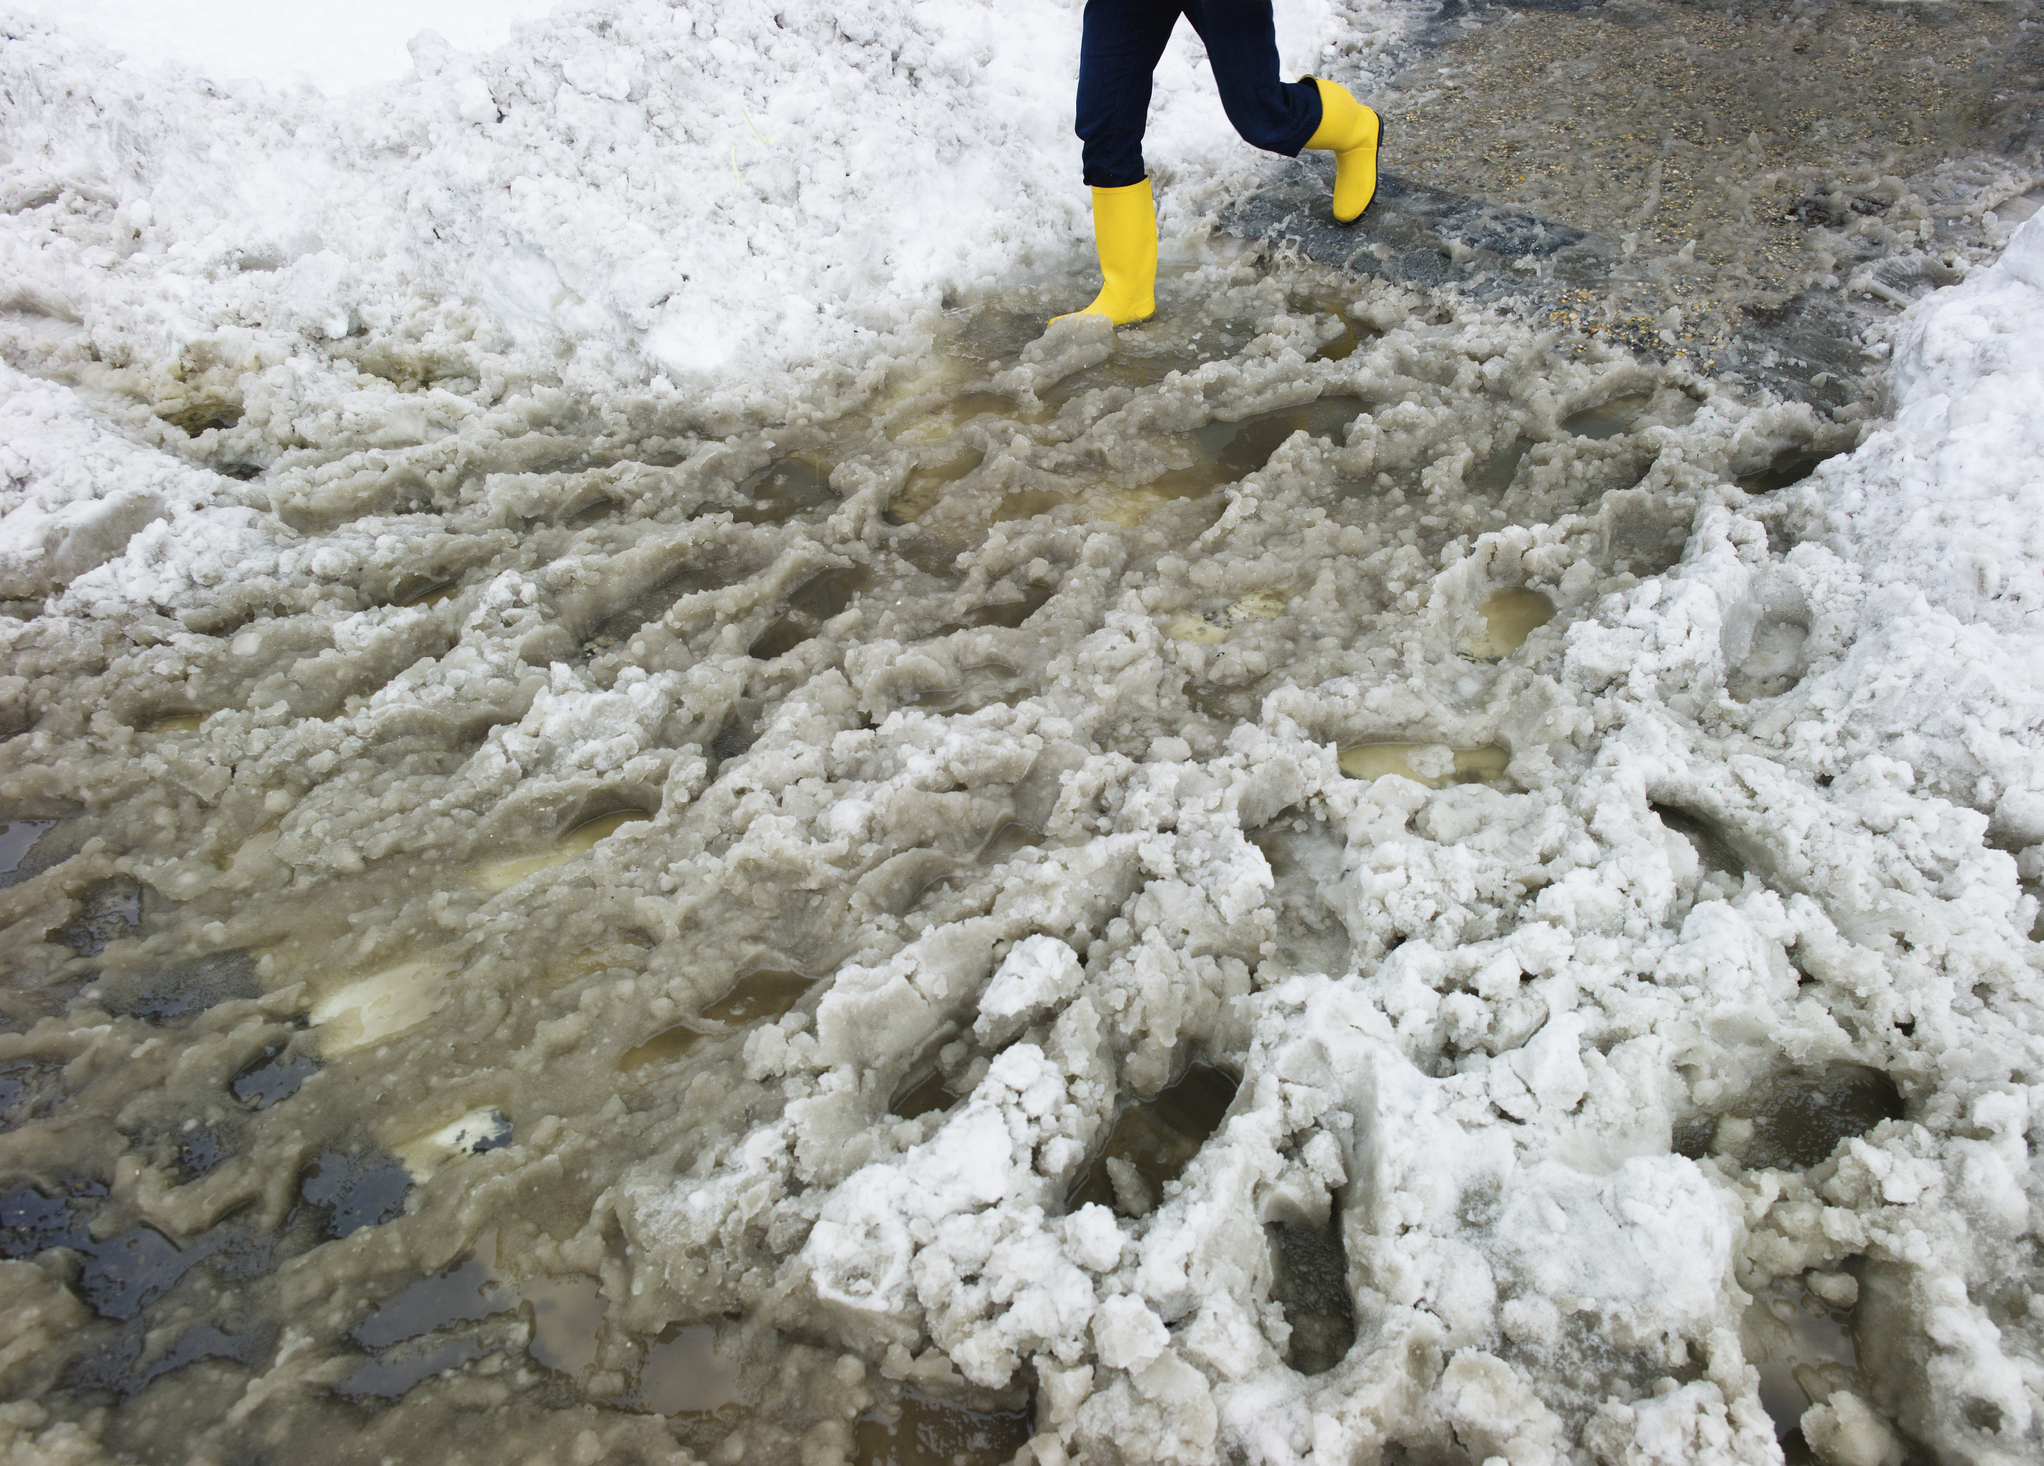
536	569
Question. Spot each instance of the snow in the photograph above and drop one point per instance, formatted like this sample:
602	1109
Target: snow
1470	1022
334	47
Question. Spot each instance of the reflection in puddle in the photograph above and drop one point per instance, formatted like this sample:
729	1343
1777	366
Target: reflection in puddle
1789	467
792	486
432	593
1509	617
475	1133
667	1045
272	1076
351	1191
817	600
1609	419
926	485
767	993
1028	503
683	1374
461	1294
566	1312
922	1094
578	841
379	1006
1434	764
1712	849
410	1330
1153	1141
17	839
757	995
923	1432
1802	1345
254	848
171	722
1494	474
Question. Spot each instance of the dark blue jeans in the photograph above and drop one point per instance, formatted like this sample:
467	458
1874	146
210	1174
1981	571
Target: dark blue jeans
1119	51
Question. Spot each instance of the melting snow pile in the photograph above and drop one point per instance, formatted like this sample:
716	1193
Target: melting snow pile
595	720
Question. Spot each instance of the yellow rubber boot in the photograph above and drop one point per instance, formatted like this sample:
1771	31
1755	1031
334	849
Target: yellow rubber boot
1350	131
1125	233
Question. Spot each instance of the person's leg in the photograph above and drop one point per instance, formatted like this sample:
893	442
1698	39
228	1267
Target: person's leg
1286	117
1118	51
1241	42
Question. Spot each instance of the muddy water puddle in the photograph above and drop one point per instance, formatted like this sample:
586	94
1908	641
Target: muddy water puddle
1799	1333
1798	1119
1509	617
1434	764
1152	1141
920	1431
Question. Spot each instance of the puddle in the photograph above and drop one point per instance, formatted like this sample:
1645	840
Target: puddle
566	1313
462	1293
1433	764
1131	368
1712	849
1493	473
615	628
130	1270
682	1374
428	1327
432	593
1774	660
1609	419
18	839
181	721
926	484
272	1077
1152	1142
919	1431
1011	614
1787	469
767	993
577	842
198	1151
475	1133
989	685
192	987
1509	617
764	994
1028	503
393	1375
795	485
662	1048
379	1006
1796	1121
349	1192
923	1094
1803	1346
253	849
107	913
1310	1283
815	602
28	1091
